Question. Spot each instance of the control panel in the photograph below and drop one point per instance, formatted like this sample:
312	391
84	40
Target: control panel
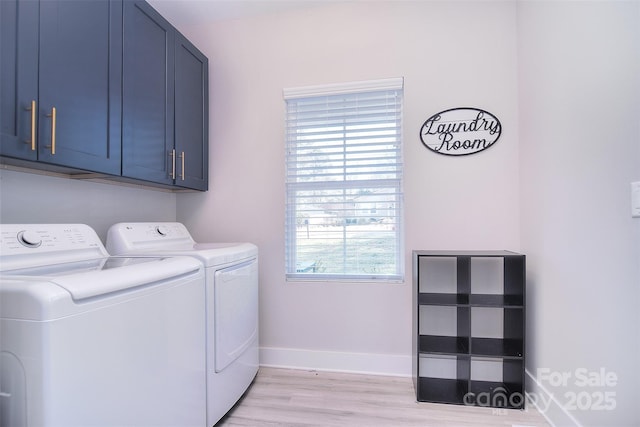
26	243
136	236
15	237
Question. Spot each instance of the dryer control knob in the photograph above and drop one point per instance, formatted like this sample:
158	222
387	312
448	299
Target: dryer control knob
29	239
162	230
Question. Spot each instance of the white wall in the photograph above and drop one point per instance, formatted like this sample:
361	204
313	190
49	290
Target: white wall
450	54
32	198
579	68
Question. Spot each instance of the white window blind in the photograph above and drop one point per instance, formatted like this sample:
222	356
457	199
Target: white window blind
344	181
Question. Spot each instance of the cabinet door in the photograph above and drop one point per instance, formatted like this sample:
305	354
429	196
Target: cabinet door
148	95
18	78
191	115
80	76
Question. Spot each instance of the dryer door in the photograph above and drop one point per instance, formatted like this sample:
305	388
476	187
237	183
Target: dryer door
236	311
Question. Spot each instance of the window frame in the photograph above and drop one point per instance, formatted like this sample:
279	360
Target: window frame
397	183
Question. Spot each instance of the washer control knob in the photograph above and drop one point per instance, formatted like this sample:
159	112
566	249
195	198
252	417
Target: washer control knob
29	239
162	230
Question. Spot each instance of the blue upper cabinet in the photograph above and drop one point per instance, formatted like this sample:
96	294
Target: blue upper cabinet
106	86
148	95
74	48
191	115
165	102
19	78
80	77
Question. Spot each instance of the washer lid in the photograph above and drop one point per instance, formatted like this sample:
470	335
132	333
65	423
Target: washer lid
97	278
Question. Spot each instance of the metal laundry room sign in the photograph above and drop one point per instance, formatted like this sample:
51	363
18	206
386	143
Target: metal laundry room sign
460	131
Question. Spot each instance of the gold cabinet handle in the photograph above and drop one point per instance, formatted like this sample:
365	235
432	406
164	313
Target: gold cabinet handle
53	130
173	163
182	158
32	140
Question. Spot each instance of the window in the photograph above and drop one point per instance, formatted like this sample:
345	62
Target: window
344	181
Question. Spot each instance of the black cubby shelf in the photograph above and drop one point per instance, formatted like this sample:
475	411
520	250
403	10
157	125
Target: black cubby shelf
485	300
443	299
436	344
439	390
506	348
473	300
468	327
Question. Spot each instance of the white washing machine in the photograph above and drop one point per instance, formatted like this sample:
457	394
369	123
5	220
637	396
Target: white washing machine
92	340
231	271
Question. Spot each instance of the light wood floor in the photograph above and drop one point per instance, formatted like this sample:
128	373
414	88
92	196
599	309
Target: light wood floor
286	397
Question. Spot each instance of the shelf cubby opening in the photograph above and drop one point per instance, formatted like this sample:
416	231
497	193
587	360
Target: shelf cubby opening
446	321
496	395
487	275
443	379
497	331
440	390
497	382
438	275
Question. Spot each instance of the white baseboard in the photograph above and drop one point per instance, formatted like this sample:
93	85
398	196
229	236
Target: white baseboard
546	403
360	363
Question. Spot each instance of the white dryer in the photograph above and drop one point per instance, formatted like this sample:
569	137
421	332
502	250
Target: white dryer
92	340
231	271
